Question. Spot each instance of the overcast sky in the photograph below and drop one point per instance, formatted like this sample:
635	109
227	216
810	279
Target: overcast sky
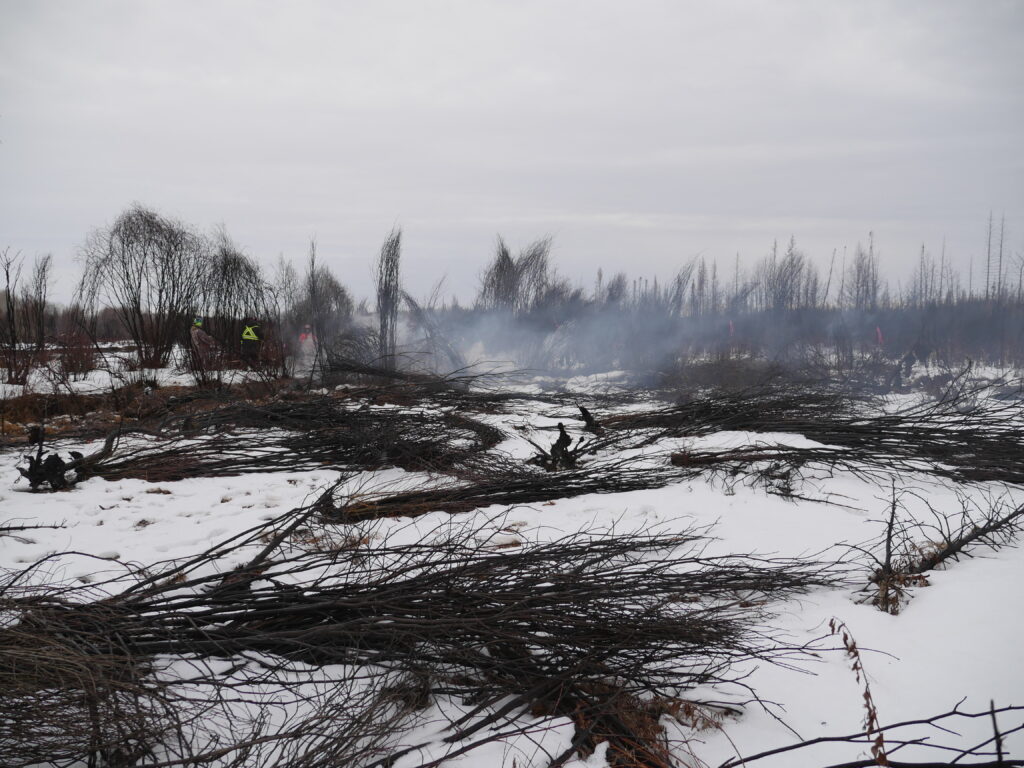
637	134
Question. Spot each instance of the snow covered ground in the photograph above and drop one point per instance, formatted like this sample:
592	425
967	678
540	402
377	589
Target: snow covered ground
115	368
956	640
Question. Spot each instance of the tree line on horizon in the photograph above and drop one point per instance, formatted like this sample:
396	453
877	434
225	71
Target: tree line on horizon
146	276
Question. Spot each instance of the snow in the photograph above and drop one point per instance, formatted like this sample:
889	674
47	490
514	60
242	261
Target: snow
117	371
956	639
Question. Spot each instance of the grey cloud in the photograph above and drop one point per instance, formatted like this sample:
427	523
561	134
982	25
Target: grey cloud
637	134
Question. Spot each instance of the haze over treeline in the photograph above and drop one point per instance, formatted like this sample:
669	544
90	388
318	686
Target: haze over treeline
145	277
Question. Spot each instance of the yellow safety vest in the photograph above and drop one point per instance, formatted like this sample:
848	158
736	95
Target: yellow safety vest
249	334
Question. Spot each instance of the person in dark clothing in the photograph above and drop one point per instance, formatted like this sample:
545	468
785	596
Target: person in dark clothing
204	348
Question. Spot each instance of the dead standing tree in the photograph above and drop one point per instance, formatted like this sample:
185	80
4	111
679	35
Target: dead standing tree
515	285
389	297
23	316
324	304
151	271
15	363
33	304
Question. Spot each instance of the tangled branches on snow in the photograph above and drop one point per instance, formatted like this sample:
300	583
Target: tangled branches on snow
506	483
291	437
910	547
248	664
966	437
904	736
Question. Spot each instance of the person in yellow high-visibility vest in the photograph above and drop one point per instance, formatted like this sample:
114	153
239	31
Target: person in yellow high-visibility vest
251	341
